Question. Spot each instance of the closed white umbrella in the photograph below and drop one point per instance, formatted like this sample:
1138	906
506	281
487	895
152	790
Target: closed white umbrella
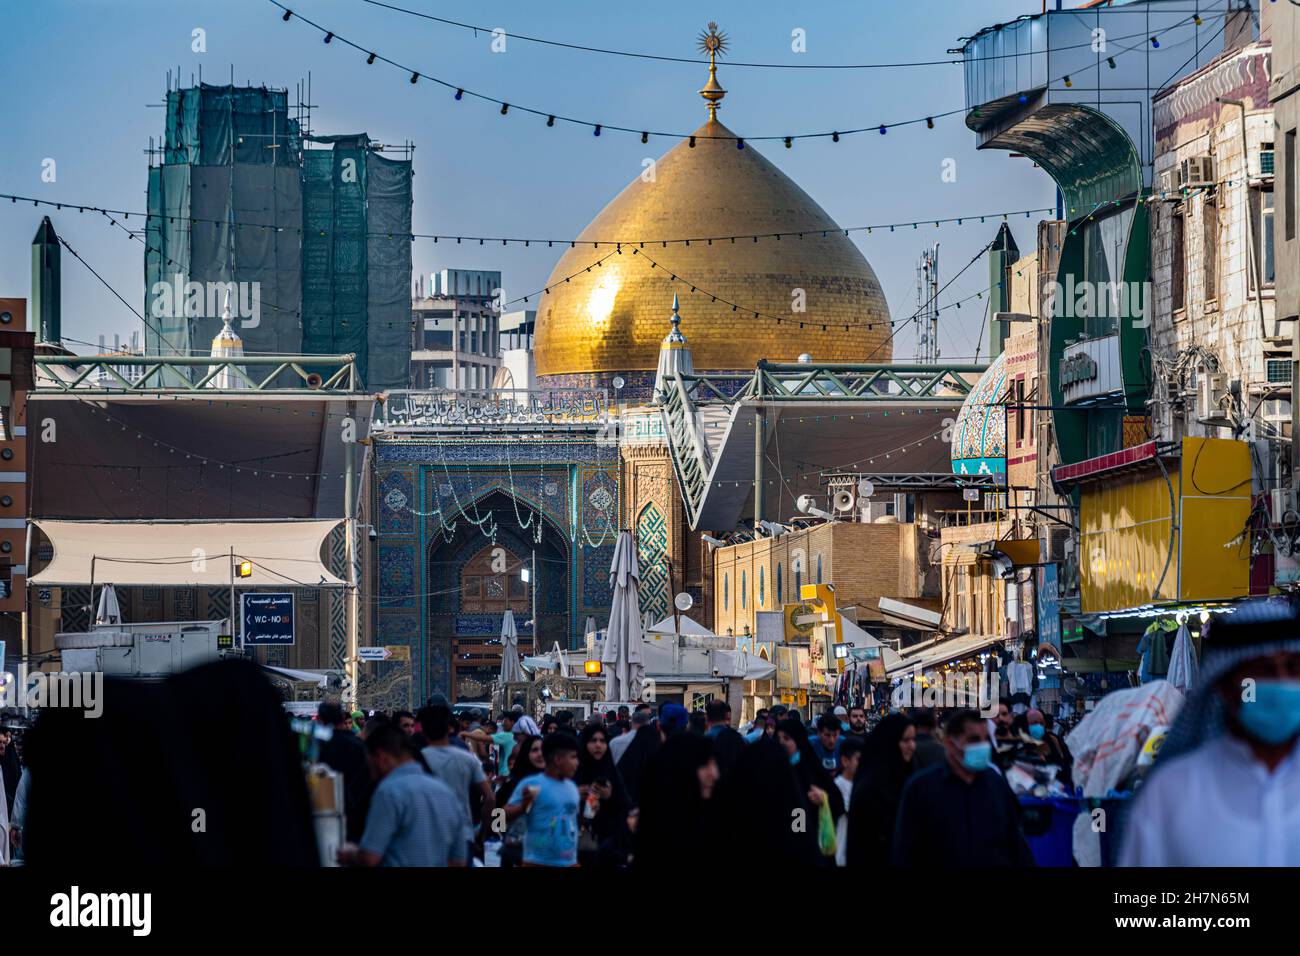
622	659
511	672
1182	661
110	612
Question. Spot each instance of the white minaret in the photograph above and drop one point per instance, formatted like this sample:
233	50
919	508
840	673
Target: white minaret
674	355
226	344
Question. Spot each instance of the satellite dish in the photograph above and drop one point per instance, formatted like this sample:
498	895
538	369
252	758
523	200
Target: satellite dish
804	503
683	601
618	382
865	488
843	500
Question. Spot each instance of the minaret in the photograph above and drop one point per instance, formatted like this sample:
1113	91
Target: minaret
226	344
674	355
47	299
713	42
1002	256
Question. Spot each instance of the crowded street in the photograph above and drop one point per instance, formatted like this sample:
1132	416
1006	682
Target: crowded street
851	445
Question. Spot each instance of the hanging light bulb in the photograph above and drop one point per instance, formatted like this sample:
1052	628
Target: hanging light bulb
370	60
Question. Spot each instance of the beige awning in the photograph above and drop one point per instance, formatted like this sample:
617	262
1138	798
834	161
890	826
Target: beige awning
186	553
932	654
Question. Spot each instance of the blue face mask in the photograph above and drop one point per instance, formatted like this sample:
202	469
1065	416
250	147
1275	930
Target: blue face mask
977	757
1273	717
1036	731
794	758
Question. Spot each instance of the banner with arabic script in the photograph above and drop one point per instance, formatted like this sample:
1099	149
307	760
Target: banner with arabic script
409	409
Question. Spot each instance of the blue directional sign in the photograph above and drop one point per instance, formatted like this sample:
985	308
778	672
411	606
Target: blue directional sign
267	618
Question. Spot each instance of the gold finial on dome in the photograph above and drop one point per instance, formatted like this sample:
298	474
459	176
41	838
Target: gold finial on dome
713	42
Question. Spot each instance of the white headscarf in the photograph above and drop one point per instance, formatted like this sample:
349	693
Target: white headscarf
1255	628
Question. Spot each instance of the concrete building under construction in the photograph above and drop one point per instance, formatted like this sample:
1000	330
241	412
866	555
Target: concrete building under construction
304	238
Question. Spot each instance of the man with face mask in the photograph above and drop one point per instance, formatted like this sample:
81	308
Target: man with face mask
960	813
1225	789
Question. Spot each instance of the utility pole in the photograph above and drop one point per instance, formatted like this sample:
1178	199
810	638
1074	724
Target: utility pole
350	603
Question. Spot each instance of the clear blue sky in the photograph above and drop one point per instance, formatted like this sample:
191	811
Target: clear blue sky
76	77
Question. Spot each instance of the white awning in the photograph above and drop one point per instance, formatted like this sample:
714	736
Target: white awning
856	636
940	652
319	678
186	553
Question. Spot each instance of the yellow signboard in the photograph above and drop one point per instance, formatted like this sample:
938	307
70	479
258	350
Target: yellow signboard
1135	551
398	652
800	619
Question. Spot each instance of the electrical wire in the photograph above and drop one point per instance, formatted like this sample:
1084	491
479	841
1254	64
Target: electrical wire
551	117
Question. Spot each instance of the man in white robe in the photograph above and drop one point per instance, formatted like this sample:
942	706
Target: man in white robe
1225	790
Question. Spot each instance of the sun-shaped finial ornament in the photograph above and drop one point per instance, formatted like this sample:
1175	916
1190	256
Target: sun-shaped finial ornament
713	42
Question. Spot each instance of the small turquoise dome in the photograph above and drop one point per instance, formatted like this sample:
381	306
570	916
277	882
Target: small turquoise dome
979	436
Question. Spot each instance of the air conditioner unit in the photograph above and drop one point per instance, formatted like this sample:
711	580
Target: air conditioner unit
1196	171
1211	390
1058	539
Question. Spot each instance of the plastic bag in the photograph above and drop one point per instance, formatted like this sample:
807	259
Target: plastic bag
826	829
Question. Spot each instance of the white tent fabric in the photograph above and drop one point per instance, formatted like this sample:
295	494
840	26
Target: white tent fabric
622	656
511	672
109	612
688	626
320	678
1182	661
742	664
186	553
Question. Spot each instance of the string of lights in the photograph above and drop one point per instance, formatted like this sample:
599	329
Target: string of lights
886	65
414	76
530	241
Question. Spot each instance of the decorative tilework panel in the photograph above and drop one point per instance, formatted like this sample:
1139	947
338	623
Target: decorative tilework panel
652	555
397	584
397	503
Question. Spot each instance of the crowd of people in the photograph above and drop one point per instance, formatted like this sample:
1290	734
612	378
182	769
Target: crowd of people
204	769
647	786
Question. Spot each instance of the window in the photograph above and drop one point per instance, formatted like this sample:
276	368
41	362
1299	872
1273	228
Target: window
1288	177
744	598
959	595
1210	245
726	591
1020	409
1261	226
1177	262
819	569
762	590
780	595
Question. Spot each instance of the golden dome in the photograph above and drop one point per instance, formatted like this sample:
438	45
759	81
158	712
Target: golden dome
611	319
